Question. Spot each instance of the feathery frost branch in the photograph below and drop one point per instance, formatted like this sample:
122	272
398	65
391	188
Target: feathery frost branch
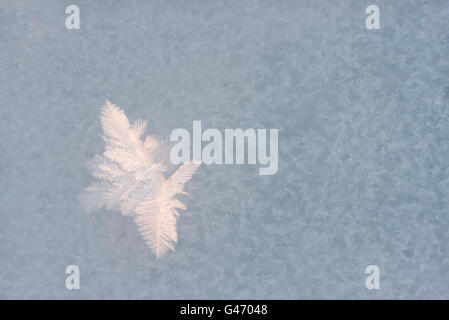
132	177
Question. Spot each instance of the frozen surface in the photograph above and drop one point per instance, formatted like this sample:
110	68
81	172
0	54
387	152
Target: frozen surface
363	125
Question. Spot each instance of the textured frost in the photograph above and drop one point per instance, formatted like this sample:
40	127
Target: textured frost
363	146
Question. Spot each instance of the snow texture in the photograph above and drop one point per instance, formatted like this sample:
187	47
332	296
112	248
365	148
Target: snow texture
363	125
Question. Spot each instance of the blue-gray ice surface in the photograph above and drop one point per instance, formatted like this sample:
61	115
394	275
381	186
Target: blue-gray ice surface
363	119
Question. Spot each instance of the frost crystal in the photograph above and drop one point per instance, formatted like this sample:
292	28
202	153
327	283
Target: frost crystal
132	177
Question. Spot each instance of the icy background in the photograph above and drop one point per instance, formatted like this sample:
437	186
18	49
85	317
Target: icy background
363	125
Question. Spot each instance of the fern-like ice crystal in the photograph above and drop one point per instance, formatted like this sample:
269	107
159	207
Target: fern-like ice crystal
132	176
